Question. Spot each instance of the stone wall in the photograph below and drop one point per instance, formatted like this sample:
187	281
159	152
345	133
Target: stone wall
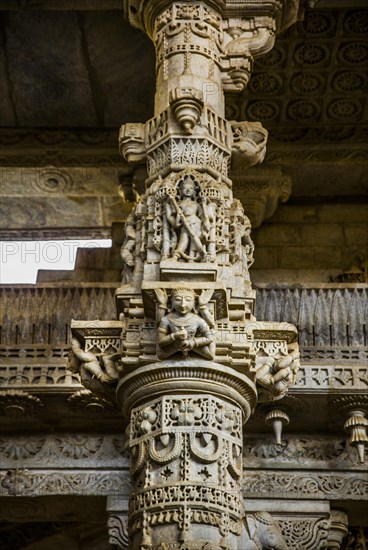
310	242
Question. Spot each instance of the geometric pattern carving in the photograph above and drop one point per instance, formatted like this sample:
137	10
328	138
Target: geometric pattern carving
329	63
333	378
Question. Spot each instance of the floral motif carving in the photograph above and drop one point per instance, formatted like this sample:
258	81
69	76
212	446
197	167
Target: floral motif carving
333	486
311	54
319	22
353	53
307	82
344	109
34	483
17	403
118	531
303	110
356	22
264	110
265	83
307	533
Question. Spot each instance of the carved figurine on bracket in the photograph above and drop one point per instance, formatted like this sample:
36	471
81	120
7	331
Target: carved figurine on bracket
98	372
183	330
189	221
277	375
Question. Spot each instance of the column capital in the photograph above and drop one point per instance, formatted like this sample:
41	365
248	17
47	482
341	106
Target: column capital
143	13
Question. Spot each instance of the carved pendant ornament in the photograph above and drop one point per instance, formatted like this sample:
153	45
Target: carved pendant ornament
191	361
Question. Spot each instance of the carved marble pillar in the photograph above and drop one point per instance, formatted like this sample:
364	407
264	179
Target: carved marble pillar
194	361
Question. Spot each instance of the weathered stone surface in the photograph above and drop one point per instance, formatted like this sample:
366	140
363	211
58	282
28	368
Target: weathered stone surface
62	181
316	241
124	89
58	212
331	323
49	74
7	115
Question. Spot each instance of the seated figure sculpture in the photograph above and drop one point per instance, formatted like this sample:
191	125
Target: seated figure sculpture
182	330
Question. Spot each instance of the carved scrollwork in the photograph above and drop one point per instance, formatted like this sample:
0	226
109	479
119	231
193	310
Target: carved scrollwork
308	533
205	447
118	531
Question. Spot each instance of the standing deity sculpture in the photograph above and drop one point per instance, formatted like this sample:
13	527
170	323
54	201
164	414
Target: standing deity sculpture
242	245
188	222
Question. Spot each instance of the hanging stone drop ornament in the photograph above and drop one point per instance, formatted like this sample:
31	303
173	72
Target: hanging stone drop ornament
192	361
357	425
277	419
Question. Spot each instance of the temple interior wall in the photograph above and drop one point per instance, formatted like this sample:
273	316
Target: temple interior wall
310	242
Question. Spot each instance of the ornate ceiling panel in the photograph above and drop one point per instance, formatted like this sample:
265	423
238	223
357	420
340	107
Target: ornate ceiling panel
312	85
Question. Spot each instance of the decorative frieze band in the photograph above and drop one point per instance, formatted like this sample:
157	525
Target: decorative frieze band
80	450
22	482
260	484
330	486
300	452
54	374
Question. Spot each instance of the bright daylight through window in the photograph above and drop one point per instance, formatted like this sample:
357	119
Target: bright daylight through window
21	260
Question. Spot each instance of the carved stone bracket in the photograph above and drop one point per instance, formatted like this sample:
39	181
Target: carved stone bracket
95	354
117	523
261	190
